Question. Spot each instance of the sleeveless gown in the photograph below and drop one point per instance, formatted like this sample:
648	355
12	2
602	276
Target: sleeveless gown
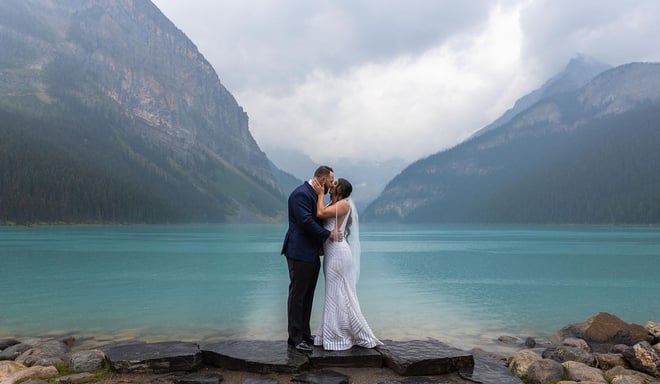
342	324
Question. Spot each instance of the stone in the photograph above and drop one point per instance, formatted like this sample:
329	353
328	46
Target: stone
610	360
7	342
86	361
603	330
321	377
576	343
644	358
619	348
489	370
610	374
69	341
200	378
563	353
626	380
581	372
444	379
510	340
423	358
12	352
357	357
49	352
530	342
519	362
161	357
260	380
28	373
654	329
544	371
76	378
9	366
254	356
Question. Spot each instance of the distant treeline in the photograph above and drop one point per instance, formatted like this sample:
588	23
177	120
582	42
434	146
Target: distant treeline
82	170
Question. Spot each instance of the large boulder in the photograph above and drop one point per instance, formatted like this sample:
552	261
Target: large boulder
519	362
8	342
50	352
654	330
644	358
563	353
604	330
544	371
8	366
581	372
31	372
87	361
612	374
13	351
610	360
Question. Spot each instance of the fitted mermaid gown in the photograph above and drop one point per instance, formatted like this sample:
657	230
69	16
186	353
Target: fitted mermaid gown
342	324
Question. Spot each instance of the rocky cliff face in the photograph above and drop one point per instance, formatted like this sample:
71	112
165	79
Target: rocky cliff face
146	86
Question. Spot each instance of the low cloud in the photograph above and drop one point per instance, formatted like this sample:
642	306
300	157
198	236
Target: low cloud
371	80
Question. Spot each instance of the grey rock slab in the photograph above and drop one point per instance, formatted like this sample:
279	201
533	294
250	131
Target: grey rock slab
424	358
12	352
357	357
8	342
254	356
451	378
200	378
322	377
488	370
168	356
260	380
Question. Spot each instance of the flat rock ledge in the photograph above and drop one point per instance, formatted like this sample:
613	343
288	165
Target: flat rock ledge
416	361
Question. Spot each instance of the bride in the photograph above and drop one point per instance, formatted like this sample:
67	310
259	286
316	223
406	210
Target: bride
342	325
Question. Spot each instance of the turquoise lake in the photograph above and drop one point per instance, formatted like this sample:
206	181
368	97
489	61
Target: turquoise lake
465	285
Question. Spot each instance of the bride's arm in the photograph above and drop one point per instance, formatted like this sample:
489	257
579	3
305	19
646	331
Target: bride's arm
326	212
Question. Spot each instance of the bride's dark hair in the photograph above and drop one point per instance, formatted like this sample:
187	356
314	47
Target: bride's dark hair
345	188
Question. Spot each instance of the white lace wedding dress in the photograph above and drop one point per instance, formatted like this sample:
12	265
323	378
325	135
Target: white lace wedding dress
342	324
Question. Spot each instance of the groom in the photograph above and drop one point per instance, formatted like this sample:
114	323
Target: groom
302	244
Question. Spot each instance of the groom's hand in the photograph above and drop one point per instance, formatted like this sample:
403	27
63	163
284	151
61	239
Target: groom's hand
336	235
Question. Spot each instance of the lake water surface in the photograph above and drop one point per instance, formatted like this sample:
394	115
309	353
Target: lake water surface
465	285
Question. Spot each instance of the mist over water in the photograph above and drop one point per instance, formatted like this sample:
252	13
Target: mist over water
465	285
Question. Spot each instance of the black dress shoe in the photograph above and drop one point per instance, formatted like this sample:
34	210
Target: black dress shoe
304	347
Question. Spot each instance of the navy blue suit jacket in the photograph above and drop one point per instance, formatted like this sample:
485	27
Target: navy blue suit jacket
305	235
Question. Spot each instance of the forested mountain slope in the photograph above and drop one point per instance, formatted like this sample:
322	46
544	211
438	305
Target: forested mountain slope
585	156
109	113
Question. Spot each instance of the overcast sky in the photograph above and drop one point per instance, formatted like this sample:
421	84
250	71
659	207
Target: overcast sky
373	79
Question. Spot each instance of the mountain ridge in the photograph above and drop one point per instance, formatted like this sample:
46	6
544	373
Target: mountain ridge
118	81
499	176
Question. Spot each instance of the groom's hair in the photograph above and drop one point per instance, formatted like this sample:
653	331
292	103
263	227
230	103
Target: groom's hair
323	170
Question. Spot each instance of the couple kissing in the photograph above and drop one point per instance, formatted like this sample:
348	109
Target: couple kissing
332	232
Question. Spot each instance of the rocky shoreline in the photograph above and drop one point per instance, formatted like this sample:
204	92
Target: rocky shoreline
602	349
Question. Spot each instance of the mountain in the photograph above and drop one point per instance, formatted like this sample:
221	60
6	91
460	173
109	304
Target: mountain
584	156
109	113
579	71
368	178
